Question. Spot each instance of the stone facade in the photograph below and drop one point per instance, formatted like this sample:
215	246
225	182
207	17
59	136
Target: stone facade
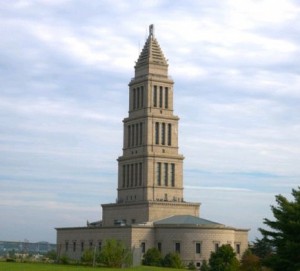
150	180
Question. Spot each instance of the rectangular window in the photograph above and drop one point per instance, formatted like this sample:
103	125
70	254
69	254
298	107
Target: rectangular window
142	96
141	134
82	246
156	132
216	247
91	244
198	248
135	174
138	98
129	135
158	173
99	245
177	247
132	135
134	98
160	97
159	246
143	246
131	175
169	134
137	134
155	96
238	248
166	97
166	171
141	173
67	246
163	134
128	175
74	246
124	175
173	174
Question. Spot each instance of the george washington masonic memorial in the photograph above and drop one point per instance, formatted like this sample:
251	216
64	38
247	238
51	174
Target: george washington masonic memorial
150	210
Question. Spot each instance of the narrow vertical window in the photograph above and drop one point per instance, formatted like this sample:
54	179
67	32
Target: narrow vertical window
138	98
159	246
163	134
155	96
124	175
173	175
169	134
166	97
131	175
135	174
238	249
128	175
160	97
143	246
166	174
156	132
141	134
141	173
177	247
67	246
129	135
132	135
82	246
99	245
198	248
216	247
91	244
74	246
158	173
134	98
136	134
142	96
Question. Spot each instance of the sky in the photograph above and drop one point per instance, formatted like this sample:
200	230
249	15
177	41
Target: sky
64	73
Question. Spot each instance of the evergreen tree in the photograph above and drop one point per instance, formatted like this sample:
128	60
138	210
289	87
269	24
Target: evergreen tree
114	254
224	259
284	233
172	260
152	257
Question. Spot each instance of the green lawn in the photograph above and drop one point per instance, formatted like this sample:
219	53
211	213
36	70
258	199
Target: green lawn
4	266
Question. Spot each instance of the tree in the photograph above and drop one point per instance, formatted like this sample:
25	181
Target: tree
87	256
283	234
115	254
250	262
223	259
172	260
262	248
152	257
204	266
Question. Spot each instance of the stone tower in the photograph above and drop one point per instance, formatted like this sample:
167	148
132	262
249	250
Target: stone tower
150	171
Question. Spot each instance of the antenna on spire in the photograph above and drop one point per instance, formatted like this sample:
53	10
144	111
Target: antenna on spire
151	30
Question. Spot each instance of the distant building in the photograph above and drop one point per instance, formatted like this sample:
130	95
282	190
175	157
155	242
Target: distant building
26	247
151	210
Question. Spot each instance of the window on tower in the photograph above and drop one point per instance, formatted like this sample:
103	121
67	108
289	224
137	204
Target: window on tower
138	98
155	96
169	134
163	134
166	97
173	174
142	96
156	132
158	173
134	98
160	97
166	174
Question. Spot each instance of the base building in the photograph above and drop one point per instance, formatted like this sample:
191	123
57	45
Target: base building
150	210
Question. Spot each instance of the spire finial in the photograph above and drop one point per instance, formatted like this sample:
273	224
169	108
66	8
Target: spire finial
151	30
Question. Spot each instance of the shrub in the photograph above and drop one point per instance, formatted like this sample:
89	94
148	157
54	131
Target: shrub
172	260
191	266
152	257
